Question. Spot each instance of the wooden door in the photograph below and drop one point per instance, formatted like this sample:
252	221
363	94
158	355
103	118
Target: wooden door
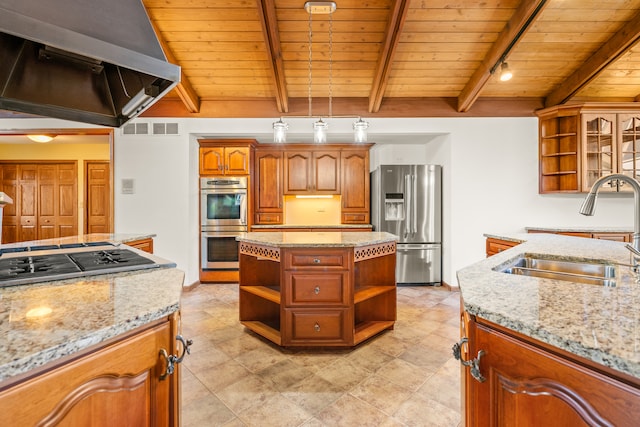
212	161
236	161
326	172
57	200
97	198
297	172
9	185
27	207
355	187
268	200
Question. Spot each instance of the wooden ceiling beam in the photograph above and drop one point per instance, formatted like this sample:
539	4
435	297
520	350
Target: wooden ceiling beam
183	88
609	52
269	22
517	26
394	29
392	107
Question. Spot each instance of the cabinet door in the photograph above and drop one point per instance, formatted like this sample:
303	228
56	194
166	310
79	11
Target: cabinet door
118	385
212	161
326	172
629	144
268	194
354	166
528	386
297	172
599	136
236	160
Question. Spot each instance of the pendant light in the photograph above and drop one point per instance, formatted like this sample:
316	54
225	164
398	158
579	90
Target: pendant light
360	130
320	127
280	131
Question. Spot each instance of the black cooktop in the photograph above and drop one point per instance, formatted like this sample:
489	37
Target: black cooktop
31	266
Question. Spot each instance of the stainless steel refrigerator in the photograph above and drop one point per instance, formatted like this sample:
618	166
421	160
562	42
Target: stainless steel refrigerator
406	200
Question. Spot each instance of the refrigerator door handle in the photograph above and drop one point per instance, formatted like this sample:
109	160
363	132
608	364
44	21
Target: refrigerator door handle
414	196
407	191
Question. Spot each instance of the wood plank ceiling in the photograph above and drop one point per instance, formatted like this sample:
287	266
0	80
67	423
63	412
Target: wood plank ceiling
396	58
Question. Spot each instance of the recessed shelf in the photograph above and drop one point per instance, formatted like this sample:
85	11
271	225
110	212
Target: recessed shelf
270	293
263	329
366	330
365	293
559	173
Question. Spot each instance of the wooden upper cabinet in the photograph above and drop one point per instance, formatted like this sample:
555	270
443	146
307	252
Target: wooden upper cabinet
580	143
268	187
225	158
354	165
314	172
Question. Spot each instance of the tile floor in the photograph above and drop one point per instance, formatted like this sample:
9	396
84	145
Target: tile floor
404	377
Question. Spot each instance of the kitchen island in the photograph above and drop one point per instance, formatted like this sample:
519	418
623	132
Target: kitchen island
548	351
89	350
326	289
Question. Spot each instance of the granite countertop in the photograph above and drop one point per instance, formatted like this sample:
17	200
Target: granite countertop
312	226
317	239
595	322
85	238
80	313
577	229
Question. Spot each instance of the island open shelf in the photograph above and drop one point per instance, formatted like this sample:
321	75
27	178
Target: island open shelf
328	289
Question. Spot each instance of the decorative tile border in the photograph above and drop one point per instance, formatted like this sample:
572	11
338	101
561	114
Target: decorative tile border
260	251
374	251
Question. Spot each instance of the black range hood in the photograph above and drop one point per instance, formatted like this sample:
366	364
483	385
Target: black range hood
91	61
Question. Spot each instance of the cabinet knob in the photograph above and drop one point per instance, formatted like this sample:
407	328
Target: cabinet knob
316	261
316	327
316	290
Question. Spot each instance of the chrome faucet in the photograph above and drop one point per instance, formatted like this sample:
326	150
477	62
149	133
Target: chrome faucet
589	205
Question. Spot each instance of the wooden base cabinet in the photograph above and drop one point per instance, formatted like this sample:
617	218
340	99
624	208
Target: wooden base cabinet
528	383
321	297
118	384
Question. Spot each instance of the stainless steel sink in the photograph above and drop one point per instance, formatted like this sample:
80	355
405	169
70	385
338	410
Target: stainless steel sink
594	272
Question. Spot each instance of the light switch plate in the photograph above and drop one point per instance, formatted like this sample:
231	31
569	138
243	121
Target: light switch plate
128	186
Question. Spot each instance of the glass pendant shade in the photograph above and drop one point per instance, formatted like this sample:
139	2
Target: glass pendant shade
320	131
360	131
280	132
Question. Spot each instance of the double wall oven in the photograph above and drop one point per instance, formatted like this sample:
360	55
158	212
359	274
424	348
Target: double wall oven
223	217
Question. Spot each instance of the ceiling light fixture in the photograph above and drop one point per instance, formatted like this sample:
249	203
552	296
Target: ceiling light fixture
505	72
41	138
320	127
280	131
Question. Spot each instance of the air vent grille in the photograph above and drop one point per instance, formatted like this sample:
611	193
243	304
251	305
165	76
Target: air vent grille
142	128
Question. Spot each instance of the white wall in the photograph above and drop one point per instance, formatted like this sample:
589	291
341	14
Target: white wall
490	171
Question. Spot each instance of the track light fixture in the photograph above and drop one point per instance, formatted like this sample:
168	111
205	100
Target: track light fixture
505	72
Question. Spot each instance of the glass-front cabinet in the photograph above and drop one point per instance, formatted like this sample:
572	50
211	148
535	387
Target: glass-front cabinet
599	149
580	143
629	137
611	145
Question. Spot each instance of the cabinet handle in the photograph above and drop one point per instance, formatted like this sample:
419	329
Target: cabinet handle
316	290
474	364
316	260
316	327
172	360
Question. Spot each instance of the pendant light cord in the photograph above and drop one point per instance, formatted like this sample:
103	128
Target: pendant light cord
310	58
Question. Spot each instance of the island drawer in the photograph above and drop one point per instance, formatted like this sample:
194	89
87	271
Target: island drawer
311	288
318	326
316	258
